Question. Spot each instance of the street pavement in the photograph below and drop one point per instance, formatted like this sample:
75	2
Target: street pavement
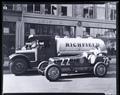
36	83
112	64
32	82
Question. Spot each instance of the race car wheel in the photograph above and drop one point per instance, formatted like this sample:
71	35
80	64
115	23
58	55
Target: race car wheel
52	72
18	66
42	66
100	69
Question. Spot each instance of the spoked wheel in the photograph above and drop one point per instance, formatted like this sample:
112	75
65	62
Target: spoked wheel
100	69
52	72
18	66
42	66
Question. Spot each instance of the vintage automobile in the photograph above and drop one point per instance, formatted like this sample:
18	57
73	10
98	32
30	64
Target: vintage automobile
74	64
39	48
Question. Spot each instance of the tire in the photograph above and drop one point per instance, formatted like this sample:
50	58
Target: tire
52	72
42	66
100	69
18	66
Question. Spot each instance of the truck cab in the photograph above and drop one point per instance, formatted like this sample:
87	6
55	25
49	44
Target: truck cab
37	49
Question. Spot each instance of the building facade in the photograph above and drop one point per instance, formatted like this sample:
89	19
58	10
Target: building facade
72	20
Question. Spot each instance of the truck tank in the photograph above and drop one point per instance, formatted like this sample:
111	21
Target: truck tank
72	46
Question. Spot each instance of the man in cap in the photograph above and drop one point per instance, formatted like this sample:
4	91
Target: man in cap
33	41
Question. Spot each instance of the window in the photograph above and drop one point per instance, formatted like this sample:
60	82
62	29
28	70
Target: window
33	8
44	29
63	11
54	10
6	30
88	12
9	29
113	14
29	7
67	31
4	7
47	8
37	7
51	9
88	30
8	6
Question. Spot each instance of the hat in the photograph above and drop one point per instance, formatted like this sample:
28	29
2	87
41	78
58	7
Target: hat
31	38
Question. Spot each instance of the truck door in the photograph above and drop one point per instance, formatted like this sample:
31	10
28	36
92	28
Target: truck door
46	50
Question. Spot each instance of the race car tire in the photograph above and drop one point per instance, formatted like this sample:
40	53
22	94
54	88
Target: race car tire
18	66
52	72
42	66
100	69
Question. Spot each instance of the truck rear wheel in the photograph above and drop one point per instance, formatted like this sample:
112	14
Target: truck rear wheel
18	66
100	69
52	72
42	66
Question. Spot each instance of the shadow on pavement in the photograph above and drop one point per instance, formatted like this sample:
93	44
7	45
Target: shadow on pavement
109	75
31	73
63	80
77	76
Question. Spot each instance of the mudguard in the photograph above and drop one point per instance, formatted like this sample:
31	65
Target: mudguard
12	56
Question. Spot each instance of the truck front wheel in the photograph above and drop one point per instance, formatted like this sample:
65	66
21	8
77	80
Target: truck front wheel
52	72
42	66
18	66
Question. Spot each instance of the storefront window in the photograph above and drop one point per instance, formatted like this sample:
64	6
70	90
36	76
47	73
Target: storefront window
8	6
8	38
40	29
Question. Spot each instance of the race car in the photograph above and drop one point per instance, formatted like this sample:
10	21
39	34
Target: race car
56	66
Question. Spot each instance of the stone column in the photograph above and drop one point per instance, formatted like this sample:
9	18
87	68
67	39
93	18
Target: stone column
22	34
24	7
42	8
107	11
94	11
19	34
59	10
74	10
79	10
79	31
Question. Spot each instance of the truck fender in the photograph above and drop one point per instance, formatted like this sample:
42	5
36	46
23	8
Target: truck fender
14	56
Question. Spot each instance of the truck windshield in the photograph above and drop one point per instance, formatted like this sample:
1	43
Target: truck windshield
30	45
